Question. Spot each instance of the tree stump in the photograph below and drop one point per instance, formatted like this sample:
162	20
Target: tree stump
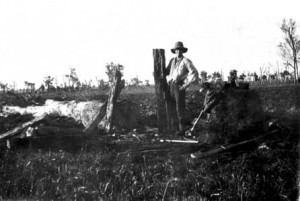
106	114
116	86
166	110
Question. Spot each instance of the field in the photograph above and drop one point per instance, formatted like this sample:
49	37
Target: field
124	165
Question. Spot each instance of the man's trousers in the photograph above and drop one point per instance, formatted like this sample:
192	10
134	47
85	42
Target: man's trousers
178	96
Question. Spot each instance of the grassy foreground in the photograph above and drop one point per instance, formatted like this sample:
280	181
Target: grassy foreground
269	173
103	173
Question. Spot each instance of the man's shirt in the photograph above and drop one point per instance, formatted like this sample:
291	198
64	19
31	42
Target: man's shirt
181	71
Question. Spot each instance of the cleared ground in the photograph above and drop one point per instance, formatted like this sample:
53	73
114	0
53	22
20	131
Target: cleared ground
133	165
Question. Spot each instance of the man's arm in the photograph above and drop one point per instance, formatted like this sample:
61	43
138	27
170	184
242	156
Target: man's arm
192	75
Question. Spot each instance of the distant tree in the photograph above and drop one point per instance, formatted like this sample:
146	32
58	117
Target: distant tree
147	83
242	76
111	69
291	46
72	78
49	82
135	81
263	77
78	85
102	84
216	75
233	74
272	77
232	78
285	73
203	76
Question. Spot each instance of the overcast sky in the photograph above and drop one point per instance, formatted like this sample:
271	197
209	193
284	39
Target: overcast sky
40	38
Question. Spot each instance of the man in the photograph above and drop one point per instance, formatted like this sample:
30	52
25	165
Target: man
214	93
181	73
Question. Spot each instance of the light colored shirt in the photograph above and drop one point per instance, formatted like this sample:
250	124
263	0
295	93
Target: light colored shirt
181	70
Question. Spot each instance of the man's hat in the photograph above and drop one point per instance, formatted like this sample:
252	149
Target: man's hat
179	45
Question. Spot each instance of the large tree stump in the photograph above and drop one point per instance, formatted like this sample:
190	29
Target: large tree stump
116	86
104	118
166	110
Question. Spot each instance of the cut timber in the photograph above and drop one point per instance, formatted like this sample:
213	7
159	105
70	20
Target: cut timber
241	146
166	111
181	141
19	128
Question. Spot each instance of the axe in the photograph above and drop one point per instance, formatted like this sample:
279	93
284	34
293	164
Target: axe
189	132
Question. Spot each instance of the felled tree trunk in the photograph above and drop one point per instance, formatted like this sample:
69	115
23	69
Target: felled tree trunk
166	111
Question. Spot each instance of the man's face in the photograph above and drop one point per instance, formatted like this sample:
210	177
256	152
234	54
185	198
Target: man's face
178	52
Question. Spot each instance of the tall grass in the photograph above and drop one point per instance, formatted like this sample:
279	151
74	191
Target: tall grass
103	173
98	173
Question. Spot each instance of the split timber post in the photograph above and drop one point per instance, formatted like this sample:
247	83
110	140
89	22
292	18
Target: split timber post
166	111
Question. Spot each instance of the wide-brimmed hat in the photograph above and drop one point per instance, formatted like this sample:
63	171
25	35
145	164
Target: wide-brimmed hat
179	45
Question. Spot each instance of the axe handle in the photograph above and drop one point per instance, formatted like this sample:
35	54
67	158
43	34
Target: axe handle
197	120
181	141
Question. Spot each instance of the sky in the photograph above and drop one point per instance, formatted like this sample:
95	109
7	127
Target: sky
40	38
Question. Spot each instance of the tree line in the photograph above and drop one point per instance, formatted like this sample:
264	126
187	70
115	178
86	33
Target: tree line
73	82
289	51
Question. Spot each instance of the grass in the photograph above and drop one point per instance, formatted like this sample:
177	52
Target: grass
265	174
101	173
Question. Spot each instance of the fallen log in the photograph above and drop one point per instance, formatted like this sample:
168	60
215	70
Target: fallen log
87	113
241	146
19	128
197	149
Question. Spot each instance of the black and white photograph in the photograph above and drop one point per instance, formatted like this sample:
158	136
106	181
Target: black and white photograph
143	100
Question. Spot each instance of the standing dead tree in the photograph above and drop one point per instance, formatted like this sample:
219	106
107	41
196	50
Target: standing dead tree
291	46
166	111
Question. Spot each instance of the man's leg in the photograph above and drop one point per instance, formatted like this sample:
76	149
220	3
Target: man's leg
180	106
